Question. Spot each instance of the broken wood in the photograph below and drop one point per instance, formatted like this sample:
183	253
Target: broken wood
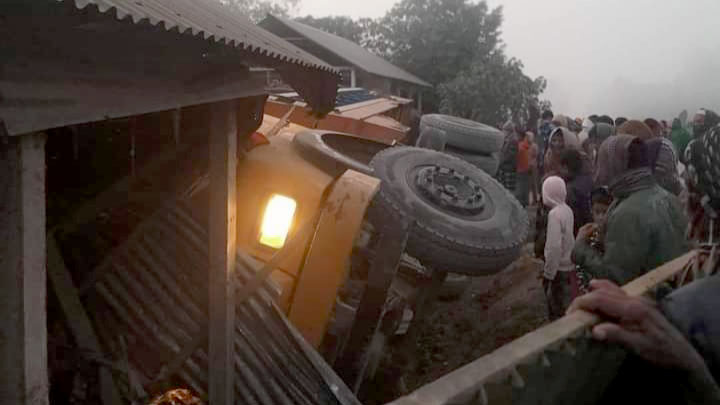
77	318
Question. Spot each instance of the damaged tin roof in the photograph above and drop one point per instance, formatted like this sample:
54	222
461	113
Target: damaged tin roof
150	294
69	62
212	20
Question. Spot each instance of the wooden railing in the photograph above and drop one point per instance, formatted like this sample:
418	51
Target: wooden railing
477	382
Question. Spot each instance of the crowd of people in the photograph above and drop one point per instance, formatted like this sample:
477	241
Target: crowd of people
618	198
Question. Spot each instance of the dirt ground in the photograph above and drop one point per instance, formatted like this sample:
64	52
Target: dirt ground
493	311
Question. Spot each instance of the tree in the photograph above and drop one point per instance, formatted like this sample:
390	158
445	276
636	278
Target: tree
492	90
257	10
436	39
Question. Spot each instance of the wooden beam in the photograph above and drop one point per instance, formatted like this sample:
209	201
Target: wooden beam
77	318
23	331
222	249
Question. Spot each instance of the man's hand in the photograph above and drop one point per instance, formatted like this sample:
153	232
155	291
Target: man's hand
637	324
585	231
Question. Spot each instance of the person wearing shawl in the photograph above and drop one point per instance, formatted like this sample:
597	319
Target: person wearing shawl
636	128
561	139
654	126
680	137
703	121
646	224
561	121
664	164
596	136
662	157
559	278
507	172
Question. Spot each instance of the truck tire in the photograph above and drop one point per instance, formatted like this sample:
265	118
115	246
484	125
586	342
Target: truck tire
465	134
461	219
432	138
335	152
487	163
453	287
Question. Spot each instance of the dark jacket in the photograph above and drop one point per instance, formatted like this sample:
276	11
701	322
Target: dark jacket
579	189
643	231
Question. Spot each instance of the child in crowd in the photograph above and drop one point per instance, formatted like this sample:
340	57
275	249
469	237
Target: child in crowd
559	276
601	201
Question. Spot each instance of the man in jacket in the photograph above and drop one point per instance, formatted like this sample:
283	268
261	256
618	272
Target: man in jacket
646	224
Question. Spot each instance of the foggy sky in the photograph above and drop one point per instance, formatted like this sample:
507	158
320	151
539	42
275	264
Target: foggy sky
637	58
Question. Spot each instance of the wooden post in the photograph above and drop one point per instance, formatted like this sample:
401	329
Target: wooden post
23	332
222	249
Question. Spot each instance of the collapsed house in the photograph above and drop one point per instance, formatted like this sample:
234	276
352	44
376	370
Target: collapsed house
109	113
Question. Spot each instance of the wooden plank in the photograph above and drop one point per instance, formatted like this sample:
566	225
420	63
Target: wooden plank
23	341
469	379
222	250
77	318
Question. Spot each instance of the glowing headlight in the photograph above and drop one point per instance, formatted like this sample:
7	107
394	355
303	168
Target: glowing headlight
277	219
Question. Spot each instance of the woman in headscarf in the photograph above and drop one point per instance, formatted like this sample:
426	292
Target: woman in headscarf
703	185
561	139
596	136
559	278
703	121
662	157
654	126
645	225
636	128
664	164
561	121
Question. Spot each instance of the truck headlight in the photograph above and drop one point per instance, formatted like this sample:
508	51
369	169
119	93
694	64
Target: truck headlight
277	219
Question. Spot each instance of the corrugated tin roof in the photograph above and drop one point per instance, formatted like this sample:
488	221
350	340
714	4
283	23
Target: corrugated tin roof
211	19
152	293
352	52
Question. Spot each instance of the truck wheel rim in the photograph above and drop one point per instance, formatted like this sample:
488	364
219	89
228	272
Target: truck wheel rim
449	190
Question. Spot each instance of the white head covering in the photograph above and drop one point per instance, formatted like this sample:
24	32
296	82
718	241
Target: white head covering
554	191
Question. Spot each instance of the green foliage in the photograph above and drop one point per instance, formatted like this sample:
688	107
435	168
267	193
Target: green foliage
436	39
257	10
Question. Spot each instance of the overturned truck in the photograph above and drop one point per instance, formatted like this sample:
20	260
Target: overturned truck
187	243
